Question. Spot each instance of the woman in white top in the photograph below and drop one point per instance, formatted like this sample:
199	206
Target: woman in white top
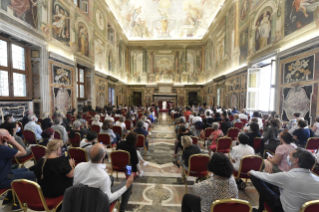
121	123
97	120
315	127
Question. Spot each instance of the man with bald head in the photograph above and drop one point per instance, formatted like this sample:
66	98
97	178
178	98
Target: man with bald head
93	174
7	175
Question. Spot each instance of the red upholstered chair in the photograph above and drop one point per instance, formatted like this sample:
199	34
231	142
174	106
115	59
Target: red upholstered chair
244	121
197	167
3	191
247	163
30	196
230	205
312	145
106	139
239	125
187	118
119	160
261	131
140	144
233	133
102	118
90	122
134	123
78	154
194	139
38	151
128	124
72	119
118	129
208	132
30	137
96	128
257	144
116	118
223	145
139	115
75	141
268	209
57	135
311	206
203	117
231	118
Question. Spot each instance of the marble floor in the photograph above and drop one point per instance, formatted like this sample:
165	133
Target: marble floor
161	188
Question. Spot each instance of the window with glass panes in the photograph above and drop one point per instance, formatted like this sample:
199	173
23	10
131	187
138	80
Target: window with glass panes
15	70
112	96
80	81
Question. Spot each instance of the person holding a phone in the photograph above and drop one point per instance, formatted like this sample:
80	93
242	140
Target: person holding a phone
93	174
7	175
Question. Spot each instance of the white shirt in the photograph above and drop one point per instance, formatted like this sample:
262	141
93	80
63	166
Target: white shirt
190	118
87	147
97	123
196	119
210	111
292	130
238	152
145	125
296	186
94	175
31	125
110	118
260	122
242	116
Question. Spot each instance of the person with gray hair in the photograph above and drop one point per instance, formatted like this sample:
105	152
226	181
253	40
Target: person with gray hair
32	125
77	127
60	128
93	174
139	130
189	150
212	139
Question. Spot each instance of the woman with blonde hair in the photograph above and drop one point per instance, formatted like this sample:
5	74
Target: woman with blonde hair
189	150
96	120
54	173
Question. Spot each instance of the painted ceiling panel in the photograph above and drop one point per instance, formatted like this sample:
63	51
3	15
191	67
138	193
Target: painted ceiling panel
164	19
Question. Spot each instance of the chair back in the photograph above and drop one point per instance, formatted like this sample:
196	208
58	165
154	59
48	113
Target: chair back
139	115
29	193
244	121
118	129
187	118
223	144
38	151
119	160
90	122
96	128
261	131
208	132
197	165
257	144
312	143
105	138
128	124
203	117
78	154
57	135
250	162
30	137
102	118
310	206
194	139
239	125
230	205
134	123
231	118
72	119
75	141
140	141
233	132
116	118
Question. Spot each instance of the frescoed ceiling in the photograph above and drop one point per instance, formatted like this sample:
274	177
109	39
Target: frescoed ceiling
164	19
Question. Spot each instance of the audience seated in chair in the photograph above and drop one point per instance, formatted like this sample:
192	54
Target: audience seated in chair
46	121
122	124
315	128
139	130
7	175
88	142
12	129
253	133
278	162
302	134
25	118
60	128
77	127
107	128
189	150
293	122
93	174
236	119
212	139
220	185
288	191
129	145
54	173
226	124
31	125
178	143
96	120
47	135
259	120
270	135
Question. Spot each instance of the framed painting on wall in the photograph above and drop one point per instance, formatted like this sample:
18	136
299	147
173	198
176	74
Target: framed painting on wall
61	76
299	70
62	99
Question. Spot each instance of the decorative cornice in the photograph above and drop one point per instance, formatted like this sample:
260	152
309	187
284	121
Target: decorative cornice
84	62
59	58
218	79
112	79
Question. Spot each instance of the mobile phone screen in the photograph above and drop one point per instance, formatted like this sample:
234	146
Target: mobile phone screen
128	170
270	155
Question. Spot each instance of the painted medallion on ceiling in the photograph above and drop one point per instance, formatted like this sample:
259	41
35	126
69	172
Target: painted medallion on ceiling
164	19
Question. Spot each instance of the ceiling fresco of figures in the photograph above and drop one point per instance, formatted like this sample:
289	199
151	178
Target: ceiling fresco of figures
164	19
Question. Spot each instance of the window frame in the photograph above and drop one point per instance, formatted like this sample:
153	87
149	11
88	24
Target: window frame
27	72
78	83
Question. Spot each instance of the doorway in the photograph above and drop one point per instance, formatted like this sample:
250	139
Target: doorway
192	98
137	98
